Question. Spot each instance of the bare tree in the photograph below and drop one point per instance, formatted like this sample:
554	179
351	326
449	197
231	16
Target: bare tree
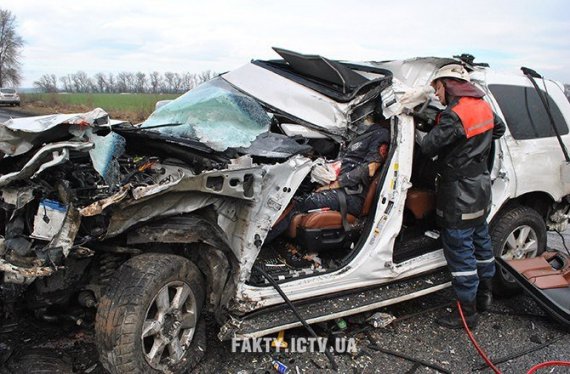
205	76
47	83
169	81
122	84
100	82
81	82
155	81
10	45
111	83
66	82
140	82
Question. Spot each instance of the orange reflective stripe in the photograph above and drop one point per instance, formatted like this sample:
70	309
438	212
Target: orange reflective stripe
475	114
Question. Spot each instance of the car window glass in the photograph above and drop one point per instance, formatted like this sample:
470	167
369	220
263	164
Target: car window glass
525	114
214	113
8	90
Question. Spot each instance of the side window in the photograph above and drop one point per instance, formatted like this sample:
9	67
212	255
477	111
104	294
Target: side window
525	114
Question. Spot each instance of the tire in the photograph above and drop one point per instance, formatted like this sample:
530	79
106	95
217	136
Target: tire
162	295
518	232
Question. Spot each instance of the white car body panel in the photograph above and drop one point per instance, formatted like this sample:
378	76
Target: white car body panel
290	97
533	158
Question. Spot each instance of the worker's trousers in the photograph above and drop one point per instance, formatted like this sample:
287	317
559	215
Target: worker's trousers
469	255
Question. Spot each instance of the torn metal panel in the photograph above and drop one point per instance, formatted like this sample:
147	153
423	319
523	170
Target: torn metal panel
15	278
19	135
247	223
415	71
172	179
66	235
18	197
98	206
104	155
36	271
215	113
175	230
42	123
133	212
239	183
37	161
290	97
272	145
215	264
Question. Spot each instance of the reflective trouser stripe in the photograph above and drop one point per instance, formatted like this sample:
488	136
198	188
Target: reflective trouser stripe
463	273
488	261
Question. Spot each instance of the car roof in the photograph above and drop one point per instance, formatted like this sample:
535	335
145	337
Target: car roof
338	80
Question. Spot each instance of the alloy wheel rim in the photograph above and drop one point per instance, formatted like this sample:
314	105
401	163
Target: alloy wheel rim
521	243
169	325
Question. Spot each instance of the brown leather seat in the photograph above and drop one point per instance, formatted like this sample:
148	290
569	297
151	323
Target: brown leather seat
541	273
332	219
420	202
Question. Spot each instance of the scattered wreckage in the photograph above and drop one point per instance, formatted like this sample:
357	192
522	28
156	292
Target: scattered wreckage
154	224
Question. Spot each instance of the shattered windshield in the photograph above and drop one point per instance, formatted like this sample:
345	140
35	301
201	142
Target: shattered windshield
214	113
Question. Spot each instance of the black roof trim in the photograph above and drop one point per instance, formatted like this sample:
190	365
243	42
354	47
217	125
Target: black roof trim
334	79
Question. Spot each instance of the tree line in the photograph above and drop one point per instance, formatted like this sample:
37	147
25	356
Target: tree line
123	82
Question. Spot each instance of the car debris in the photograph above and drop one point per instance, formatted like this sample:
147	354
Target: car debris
380	320
181	205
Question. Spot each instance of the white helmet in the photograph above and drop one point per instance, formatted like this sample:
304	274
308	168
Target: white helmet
452	71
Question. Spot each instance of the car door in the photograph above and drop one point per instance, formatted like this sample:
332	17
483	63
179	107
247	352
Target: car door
537	158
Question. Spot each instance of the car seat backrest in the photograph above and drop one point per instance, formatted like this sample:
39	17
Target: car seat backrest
370	195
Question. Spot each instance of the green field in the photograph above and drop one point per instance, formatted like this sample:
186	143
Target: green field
124	106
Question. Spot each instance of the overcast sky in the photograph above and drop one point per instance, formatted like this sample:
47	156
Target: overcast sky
64	37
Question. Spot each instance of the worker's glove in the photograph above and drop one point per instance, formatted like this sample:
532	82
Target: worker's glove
416	96
425	118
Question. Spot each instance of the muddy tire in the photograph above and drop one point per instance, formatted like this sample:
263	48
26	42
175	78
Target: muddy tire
518	232
148	320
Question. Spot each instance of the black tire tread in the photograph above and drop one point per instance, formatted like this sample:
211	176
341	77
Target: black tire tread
117	318
502	226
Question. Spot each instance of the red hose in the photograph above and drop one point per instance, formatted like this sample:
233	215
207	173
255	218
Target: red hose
488	361
546	364
472	338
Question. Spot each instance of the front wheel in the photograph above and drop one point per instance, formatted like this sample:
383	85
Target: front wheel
147	321
517	233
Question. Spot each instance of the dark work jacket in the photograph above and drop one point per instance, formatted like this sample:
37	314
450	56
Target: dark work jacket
463	186
361	151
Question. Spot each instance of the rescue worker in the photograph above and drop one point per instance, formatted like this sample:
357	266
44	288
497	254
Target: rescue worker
461	139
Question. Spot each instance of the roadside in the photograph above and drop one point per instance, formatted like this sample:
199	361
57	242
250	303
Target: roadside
513	326
134	108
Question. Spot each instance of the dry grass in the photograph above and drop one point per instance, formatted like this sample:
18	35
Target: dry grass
131	107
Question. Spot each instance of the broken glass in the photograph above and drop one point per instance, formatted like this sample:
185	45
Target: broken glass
214	113
104	155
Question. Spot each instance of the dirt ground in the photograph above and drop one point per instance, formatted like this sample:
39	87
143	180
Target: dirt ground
516	329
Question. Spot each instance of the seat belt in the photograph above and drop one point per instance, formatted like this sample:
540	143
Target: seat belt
343	209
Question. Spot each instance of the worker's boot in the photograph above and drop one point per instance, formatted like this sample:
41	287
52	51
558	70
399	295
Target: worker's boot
484	294
453	319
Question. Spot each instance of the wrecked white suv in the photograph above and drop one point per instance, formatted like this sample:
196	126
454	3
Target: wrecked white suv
152	225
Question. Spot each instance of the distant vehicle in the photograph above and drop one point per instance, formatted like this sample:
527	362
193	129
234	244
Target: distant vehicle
9	96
